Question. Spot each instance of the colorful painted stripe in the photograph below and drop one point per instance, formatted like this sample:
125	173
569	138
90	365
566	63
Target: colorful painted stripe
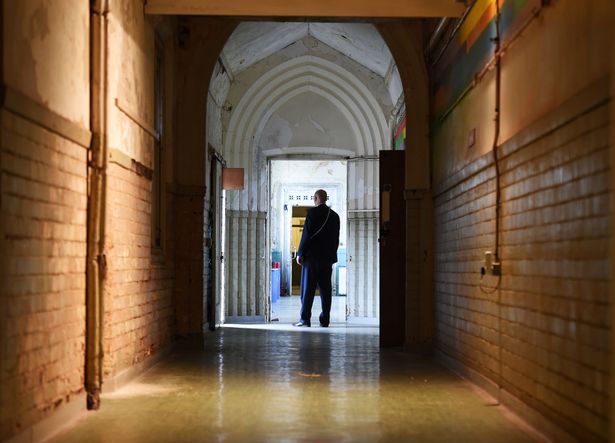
471	50
400	135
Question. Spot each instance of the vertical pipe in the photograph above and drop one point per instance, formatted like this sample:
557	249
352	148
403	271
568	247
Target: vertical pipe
97	165
497	117
498	77
436	36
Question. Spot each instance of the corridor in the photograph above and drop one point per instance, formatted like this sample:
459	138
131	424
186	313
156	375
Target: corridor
278	384
157	162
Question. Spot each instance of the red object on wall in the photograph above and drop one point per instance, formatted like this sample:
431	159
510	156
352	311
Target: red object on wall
232	178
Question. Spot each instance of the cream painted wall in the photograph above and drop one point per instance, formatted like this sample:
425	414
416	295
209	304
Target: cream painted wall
47	58
565	55
476	111
131	81
538	74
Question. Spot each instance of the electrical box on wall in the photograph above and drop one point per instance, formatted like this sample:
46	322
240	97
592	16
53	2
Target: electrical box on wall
491	267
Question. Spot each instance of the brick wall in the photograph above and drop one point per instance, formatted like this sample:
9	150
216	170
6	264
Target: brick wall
139	312
43	205
544	334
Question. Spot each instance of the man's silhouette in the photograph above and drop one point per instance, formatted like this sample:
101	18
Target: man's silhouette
316	255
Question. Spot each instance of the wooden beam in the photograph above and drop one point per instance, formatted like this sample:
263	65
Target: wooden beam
309	8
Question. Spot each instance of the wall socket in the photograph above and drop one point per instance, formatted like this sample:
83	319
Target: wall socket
491	267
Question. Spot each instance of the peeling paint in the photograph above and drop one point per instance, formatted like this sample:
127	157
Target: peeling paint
49	37
39	22
309	120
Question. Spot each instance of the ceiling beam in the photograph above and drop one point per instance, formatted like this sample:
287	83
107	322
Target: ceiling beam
309	8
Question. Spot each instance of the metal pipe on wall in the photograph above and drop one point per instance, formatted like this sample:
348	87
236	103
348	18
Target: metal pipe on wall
451	36
497	121
97	167
497	40
436	36
498	204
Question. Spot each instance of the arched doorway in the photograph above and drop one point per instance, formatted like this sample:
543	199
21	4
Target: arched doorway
312	98
202	40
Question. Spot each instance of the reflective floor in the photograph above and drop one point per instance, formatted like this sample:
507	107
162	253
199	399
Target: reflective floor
283	384
288	308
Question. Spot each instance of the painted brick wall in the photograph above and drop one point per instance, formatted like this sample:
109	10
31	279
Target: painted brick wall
139	301
139	312
43	205
547	339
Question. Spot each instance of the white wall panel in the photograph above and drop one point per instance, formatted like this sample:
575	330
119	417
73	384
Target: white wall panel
363	260
246	270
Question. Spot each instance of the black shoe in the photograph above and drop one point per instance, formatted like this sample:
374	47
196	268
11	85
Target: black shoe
324	325
302	323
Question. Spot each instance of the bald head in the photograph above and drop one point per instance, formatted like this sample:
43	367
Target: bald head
320	197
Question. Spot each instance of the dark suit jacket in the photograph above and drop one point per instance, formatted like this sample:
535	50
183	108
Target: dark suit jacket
322	246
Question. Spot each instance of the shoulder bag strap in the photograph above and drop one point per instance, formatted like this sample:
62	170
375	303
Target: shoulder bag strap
323	225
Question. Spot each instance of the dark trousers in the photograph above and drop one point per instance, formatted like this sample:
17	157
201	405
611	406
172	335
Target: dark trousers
316	273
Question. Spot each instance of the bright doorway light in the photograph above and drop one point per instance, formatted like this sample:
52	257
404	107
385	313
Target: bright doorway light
293	183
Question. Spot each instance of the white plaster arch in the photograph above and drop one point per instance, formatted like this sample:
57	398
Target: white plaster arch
313	70
327	94
276	87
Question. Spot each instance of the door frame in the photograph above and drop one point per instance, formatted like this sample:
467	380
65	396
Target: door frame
215	299
340	199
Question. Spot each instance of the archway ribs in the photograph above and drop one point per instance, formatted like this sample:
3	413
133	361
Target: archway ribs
247	209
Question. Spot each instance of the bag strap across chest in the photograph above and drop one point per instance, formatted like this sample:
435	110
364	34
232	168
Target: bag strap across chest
323	225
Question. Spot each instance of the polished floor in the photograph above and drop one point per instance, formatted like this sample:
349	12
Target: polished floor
276	383
287	309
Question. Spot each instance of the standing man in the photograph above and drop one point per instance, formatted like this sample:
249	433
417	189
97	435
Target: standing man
316	255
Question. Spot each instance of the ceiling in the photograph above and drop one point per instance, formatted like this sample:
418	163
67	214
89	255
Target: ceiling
254	41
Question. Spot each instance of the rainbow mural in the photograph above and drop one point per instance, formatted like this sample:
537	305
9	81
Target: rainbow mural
399	139
472	48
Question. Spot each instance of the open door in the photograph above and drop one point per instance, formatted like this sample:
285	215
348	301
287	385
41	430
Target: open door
363	303
392	249
214	302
